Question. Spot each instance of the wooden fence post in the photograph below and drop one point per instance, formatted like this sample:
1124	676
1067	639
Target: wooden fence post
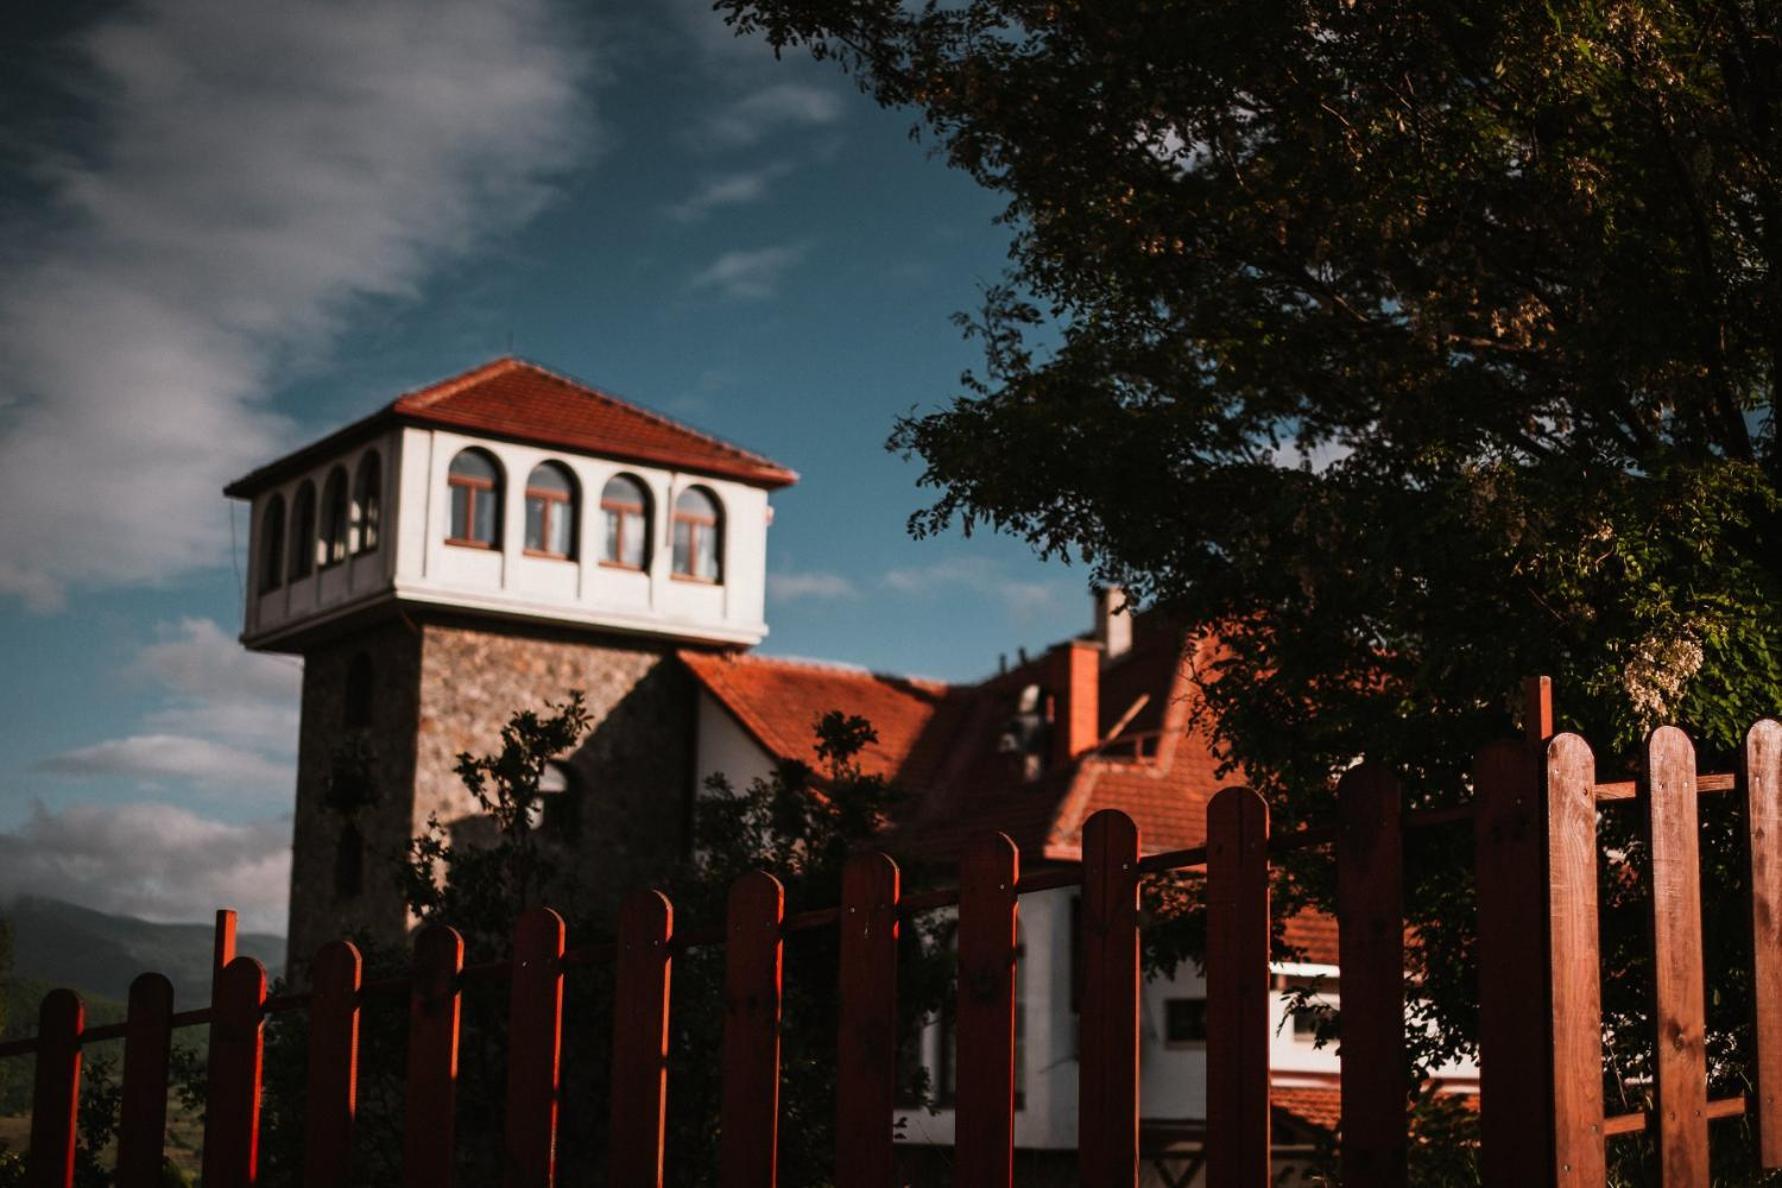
984	1020
232	1101
1574	1002
1107	1086
1681	1107
333	1075
1371	956
148	1043
1237	1146
1763	818
748	1142
534	1038
866	1042
640	1042
430	1104
55	1097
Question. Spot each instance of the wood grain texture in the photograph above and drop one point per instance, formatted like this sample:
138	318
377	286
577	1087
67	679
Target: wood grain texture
1575	1016
1681	1102
232	1101
1238	980
866	1042
748	1140
148	1045
984	1020
430	1102
1107	1092
1371	955
55	1091
535	1041
640	1042
1763	816
222	947
1537	709
333	1074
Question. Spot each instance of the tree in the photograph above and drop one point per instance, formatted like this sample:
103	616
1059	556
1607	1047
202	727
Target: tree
1411	347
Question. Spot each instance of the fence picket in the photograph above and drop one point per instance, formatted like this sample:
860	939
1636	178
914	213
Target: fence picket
1237	975
748	1141
1371	955
1681	1105
1763	809
142	1119
984	1018
1107	1086
866	1041
432	1092
534	1037
55	1095
640	1042
1574	1055
333	1075
232	1100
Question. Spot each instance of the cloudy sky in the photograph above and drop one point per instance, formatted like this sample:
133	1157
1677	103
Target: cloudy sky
231	225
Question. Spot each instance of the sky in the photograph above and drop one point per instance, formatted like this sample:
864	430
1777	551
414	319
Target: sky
229	226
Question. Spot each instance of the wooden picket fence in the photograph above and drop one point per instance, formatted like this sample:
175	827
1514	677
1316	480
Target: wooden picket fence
1542	1104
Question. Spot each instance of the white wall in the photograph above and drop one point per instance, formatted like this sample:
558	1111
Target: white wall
725	748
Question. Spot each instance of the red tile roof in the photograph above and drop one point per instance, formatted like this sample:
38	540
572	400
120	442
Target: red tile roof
1312	1105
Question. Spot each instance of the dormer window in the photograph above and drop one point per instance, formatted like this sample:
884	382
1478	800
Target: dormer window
368	488
474	482
303	531
550	512
698	536
334	517
625	509
272	544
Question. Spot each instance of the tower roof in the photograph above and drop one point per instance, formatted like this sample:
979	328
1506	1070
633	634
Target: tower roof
521	401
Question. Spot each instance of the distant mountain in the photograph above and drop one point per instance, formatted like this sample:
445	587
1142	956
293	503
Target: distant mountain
99	954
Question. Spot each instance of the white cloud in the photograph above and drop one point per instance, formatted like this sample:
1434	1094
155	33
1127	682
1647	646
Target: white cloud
789	587
977	575
252	169
750	275
197	657
731	189
751	118
156	757
154	861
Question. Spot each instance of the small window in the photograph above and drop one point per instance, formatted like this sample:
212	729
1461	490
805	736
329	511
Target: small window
356	700
368	490
625	509
698	536
334	518
550	511
272	544
1320	997
303	531
349	863
1185	1021
475	485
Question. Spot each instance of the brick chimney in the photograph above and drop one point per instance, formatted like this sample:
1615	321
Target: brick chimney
1113	622
1075	684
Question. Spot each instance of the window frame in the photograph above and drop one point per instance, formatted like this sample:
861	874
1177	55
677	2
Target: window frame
300	561
696	521
547	496
332	547
1188	1000
614	544
271	575
470	485
365	511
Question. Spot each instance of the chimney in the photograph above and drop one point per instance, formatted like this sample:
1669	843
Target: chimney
1113	622
1075	680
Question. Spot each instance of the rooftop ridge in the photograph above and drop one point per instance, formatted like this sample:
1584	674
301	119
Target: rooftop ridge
811	664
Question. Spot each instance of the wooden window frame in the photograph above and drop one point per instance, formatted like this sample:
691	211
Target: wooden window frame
272	576
325	520
547	496
366	506
695	522
470	484
300	538
642	511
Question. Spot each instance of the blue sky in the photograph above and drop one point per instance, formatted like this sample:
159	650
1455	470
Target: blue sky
234	226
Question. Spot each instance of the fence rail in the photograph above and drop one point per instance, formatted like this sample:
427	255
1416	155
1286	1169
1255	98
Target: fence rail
1534	820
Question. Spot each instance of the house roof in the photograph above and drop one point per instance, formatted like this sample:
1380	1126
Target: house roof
521	401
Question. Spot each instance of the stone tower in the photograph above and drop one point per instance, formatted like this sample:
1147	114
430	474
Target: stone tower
479	546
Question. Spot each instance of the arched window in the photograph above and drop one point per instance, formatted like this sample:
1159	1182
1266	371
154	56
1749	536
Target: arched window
368	489
698	536
334	517
272	544
550	511
356	698
625	507
303	531
475	483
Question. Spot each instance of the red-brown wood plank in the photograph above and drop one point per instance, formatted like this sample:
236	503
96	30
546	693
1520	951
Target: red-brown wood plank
534	1037
55	1095
984	1019
333	1074
1237	972
1681	1105
1371	955
866	1041
1108	1069
430	1105
748	1141
222	947
232	1102
1575	1014
640	1042
1763	812
1537	709
148	1043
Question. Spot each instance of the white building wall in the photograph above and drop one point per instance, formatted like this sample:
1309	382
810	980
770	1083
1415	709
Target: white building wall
725	748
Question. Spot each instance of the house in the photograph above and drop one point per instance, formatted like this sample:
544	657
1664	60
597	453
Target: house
501	537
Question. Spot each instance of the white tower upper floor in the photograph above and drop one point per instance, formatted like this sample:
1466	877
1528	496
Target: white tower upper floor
514	492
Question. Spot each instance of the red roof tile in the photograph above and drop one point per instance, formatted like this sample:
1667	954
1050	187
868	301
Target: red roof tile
1313	1105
